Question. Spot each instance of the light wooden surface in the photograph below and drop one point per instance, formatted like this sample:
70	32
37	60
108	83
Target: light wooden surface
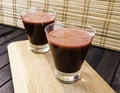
33	73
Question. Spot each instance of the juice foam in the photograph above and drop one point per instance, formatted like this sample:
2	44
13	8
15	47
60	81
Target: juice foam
70	37
38	17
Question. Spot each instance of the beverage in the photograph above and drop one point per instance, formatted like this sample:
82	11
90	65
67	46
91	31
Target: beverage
70	49
35	24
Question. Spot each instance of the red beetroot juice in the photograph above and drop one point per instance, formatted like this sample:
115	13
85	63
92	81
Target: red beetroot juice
35	24
69	47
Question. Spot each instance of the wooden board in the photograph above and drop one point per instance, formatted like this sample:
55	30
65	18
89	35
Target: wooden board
33	73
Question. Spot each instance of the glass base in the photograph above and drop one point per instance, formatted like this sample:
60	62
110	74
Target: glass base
67	77
40	48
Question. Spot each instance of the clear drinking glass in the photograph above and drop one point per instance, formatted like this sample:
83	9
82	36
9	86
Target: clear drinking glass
35	22
69	46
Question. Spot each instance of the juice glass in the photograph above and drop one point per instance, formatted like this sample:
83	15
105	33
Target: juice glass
35	22
69	46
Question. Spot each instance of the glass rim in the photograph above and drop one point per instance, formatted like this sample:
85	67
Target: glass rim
34	10
92	33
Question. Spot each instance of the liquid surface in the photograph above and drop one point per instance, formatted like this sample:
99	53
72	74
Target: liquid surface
38	17
70	37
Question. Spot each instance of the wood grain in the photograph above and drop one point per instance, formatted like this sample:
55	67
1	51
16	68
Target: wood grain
6	30
3	48
116	81
3	60
33	73
94	55
7	88
107	65
10	35
5	75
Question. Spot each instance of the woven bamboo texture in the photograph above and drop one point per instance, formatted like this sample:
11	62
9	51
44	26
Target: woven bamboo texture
101	14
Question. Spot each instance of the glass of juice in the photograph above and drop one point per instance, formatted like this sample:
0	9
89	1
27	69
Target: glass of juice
69	46
34	22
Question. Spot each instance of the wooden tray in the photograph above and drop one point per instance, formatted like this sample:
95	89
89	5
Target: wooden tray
33	73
